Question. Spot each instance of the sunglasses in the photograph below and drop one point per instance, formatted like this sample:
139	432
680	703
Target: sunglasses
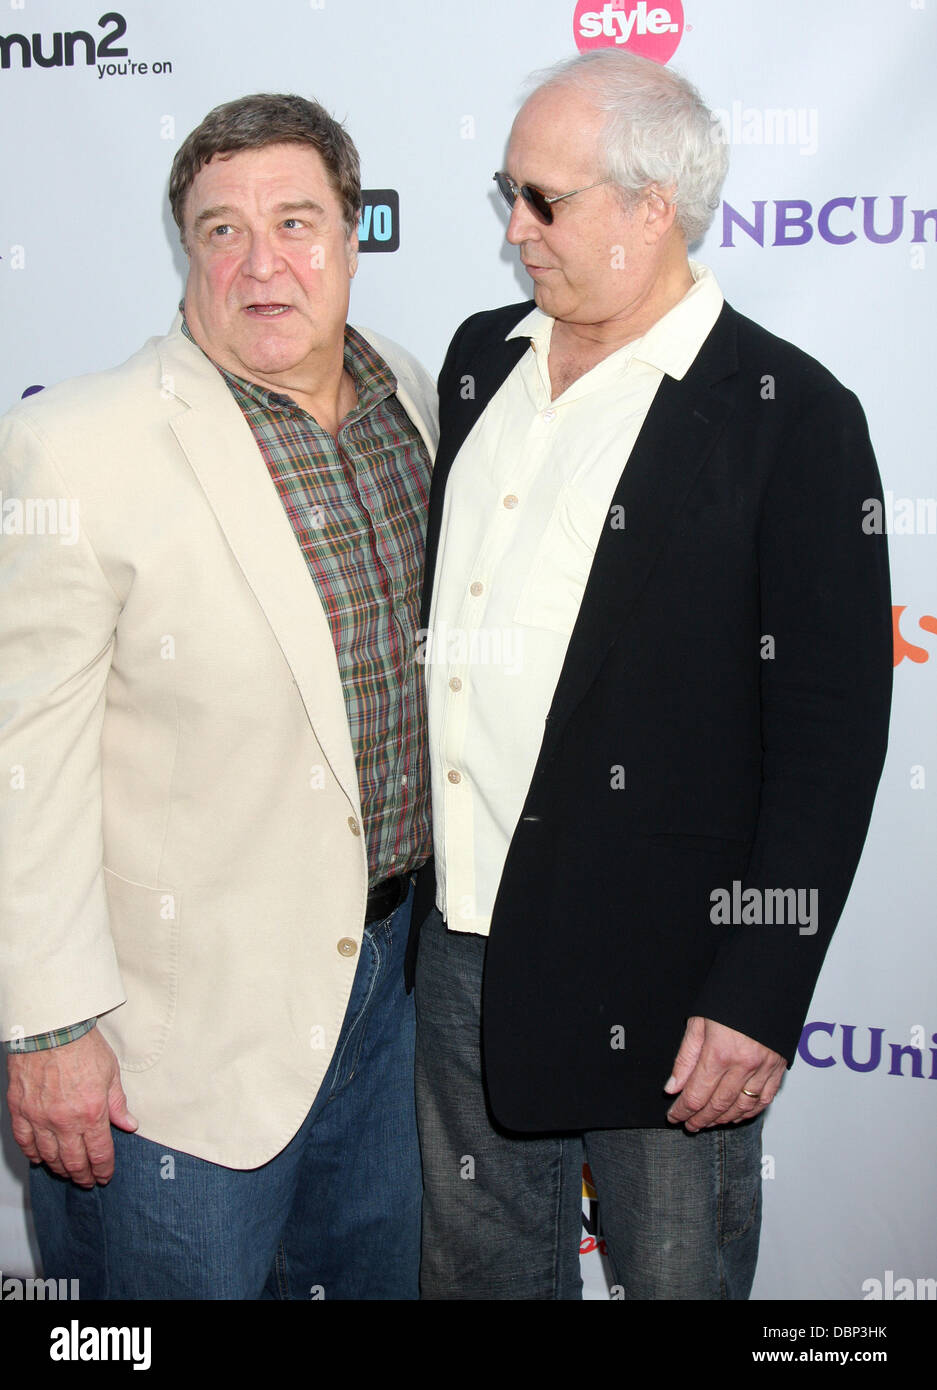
537	201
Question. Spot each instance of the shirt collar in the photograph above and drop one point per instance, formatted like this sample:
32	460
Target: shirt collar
670	344
373	378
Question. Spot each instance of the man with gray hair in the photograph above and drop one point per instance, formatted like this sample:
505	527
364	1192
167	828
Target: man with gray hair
206	872
661	504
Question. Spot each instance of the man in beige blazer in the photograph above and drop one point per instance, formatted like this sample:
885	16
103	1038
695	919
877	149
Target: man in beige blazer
214	727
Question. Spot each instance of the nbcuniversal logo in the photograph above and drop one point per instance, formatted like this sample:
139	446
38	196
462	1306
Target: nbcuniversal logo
838	221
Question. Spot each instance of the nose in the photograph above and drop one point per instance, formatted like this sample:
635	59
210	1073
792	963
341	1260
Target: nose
262	260
524	224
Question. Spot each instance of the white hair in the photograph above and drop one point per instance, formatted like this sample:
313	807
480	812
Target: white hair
658	131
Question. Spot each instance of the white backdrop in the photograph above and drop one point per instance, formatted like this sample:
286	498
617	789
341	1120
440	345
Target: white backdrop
822	100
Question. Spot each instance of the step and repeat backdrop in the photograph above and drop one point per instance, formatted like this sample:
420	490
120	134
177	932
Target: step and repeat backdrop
827	235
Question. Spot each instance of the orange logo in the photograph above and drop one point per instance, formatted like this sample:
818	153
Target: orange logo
907	649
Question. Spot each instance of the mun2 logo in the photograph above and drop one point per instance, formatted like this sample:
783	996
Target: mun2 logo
650	31
78	46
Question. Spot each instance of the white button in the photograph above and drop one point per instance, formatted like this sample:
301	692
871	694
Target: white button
476	588
454	777
455	683
353	826
549	415
403	783
510	501
347	947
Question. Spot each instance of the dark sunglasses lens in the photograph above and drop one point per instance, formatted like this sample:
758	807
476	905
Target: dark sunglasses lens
532	197
535	199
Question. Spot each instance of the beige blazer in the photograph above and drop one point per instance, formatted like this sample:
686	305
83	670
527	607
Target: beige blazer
180	839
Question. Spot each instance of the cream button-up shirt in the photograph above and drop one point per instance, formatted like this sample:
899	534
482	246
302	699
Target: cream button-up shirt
526	501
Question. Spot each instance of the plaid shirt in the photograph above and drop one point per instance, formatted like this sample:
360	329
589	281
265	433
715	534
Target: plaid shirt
357	506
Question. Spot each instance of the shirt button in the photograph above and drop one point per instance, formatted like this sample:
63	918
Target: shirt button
455	683
454	777
347	947
353	826
510	501
549	415
476	588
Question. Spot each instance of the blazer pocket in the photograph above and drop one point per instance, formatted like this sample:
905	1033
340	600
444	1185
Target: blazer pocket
552	595
145	926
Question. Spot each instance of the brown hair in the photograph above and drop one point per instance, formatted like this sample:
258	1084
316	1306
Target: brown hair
252	122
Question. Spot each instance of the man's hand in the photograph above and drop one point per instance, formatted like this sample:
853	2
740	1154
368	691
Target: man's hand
714	1069
63	1101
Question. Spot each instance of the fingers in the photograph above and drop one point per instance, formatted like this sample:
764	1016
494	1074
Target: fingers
99	1147
84	1153
24	1136
709	1099
61	1102
701	1106
117	1108
66	1155
734	1079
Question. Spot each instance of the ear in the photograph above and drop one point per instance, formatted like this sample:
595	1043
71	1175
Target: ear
352	249
660	212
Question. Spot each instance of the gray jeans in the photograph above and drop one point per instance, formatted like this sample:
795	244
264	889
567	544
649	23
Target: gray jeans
502	1212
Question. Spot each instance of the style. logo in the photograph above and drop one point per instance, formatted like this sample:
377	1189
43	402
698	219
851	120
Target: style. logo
650	31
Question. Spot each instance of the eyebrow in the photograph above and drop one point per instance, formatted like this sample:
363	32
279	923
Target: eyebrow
224	210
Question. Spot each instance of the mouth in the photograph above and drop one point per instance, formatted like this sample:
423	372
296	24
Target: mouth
267	311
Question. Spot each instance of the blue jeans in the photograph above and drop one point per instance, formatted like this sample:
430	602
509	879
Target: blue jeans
502	1212
335	1215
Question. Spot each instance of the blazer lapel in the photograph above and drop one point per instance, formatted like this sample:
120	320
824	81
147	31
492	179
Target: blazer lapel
681	428
220	448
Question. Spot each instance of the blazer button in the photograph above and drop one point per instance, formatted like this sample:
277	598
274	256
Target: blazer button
353	826
347	947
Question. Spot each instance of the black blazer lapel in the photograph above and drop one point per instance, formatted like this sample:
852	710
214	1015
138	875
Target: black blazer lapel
677	437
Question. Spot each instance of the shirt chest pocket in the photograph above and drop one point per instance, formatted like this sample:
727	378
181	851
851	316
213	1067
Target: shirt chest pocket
552	592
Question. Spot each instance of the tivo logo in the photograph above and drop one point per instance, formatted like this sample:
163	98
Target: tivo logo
379	223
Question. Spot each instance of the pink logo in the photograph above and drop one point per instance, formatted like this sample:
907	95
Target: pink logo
651	31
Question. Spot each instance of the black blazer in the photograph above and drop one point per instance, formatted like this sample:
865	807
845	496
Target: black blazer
745	760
